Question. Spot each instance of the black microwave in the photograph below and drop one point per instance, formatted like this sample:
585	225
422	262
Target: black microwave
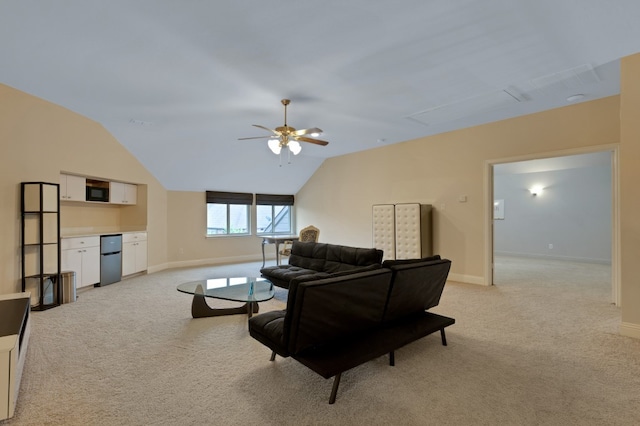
96	193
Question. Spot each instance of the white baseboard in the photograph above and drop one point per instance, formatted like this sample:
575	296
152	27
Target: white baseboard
214	261
550	257
157	268
467	279
461	278
630	330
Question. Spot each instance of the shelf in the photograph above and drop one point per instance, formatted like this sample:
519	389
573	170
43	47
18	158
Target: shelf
45	275
41	263
44	211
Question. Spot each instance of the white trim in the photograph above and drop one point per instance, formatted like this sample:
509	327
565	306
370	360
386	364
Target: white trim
556	257
215	261
616	282
488	227
615	207
630	330
467	279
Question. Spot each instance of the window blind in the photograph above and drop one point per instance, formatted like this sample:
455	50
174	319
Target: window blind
220	197
274	200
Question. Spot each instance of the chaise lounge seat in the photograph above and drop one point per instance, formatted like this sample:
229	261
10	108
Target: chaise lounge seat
311	261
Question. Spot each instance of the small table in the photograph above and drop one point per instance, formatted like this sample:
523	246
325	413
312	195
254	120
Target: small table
241	289
276	239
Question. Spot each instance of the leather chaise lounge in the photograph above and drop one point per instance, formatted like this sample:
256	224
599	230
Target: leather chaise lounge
334	324
311	261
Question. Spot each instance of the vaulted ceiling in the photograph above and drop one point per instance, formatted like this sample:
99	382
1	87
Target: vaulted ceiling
178	82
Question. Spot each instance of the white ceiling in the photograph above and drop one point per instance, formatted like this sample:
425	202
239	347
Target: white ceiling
178	82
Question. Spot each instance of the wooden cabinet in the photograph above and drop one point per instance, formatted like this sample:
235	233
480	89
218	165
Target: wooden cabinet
73	188
134	253
123	193
15	318
82	255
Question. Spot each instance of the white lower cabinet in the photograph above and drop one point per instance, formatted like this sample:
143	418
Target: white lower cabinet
82	255
134	253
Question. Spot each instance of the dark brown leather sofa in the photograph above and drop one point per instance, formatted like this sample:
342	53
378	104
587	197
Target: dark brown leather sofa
334	324
311	261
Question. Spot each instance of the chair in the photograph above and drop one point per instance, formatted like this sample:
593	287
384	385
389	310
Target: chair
308	234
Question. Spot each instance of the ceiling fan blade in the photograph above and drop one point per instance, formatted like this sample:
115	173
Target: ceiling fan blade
307	131
259	137
315	141
265	128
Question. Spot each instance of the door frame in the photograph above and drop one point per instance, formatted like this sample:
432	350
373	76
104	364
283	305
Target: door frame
615	209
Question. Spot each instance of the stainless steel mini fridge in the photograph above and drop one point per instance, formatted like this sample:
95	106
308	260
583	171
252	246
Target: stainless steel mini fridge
110	259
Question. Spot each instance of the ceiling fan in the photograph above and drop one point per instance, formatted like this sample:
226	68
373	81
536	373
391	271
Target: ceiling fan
287	136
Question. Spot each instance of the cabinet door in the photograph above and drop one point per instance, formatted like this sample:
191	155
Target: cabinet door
123	193
141	256
128	258
116	192
90	265
72	261
73	188
130	193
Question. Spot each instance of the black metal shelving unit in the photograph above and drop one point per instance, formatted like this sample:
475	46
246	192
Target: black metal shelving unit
41	261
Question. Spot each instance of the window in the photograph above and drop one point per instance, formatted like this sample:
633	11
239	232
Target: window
228	213
273	214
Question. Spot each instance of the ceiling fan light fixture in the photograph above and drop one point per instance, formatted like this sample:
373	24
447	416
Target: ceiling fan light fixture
295	147
274	146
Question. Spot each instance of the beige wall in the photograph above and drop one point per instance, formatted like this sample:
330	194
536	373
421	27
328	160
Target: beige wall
438	170
40	139
630	194
188	244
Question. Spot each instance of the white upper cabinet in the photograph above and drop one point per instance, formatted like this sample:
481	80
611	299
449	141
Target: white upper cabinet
123	193
73	188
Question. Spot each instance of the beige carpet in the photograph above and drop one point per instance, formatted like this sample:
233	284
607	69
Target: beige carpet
538	349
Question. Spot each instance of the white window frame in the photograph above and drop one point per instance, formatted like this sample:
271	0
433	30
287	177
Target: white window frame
228	232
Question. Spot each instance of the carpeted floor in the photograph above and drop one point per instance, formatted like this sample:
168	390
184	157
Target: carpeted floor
539	348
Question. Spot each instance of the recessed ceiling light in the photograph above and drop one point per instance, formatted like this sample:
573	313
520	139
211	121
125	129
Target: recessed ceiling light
574	98
382	140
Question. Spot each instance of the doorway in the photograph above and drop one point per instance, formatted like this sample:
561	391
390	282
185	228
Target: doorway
558	210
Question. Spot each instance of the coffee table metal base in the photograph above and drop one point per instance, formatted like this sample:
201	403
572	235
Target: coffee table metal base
200	309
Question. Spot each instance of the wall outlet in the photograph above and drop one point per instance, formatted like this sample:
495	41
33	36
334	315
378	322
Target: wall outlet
180	250
550	246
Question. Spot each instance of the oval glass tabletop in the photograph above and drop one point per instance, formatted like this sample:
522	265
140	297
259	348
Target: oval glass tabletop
237	289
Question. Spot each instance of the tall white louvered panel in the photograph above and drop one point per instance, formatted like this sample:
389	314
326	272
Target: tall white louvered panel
384	230
407	231
403	231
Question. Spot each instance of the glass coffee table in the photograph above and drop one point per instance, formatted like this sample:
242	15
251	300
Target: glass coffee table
240	289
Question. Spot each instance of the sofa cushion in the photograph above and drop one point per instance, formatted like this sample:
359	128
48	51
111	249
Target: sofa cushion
324	310
268	328
286	272
416	287
308	255
343	258
390	263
